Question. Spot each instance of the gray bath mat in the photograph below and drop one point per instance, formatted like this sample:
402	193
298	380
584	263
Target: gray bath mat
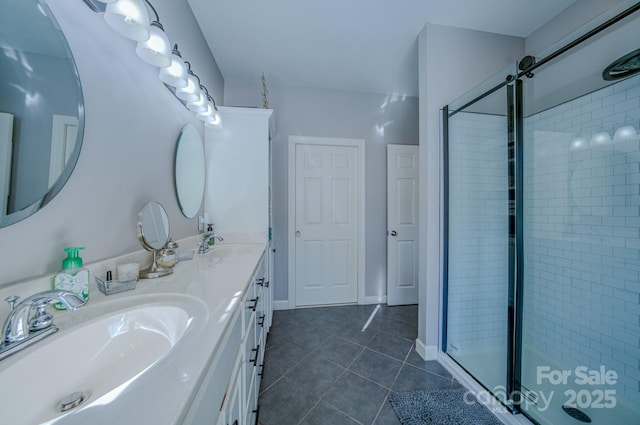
440	407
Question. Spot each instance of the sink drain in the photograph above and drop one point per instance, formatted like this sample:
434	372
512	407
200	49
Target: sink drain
577	414
72	401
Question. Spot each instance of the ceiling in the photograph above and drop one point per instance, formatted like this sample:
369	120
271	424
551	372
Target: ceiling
343	45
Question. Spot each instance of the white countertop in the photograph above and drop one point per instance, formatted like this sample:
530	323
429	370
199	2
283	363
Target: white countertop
163	393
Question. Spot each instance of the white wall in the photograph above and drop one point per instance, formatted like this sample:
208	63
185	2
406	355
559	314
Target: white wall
132	124
452	61
379	119
567	22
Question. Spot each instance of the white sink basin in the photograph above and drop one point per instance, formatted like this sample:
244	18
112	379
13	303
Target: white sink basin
100	357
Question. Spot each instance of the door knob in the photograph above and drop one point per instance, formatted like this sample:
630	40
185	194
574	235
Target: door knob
297	232
394	233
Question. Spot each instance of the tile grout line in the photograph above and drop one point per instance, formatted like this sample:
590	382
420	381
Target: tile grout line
404	362
362	347
321	398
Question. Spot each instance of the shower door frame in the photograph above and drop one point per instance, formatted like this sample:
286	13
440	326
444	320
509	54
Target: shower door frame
515	140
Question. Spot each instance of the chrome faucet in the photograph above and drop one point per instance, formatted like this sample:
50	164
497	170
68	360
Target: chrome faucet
206	237
21	328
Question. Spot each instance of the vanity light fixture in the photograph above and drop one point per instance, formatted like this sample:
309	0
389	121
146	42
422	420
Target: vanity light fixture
601	138
210	115
130	19
579	142
190	92
207	114
199	105
156	50
625	133
214	120
175	75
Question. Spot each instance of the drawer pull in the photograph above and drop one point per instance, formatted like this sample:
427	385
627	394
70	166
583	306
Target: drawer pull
261	320
260	281
255	304
255	359
257	412
266	284
261	373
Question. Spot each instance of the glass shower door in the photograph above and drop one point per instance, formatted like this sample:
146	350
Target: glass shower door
477	188
581	299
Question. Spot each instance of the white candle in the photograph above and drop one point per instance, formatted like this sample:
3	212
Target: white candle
127	270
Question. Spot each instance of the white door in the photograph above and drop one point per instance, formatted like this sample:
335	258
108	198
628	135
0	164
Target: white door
326	224
6	149
402	224
64	133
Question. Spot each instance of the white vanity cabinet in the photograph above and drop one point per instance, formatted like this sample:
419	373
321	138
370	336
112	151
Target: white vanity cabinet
231	412
237	157
205	406
228	393
255	313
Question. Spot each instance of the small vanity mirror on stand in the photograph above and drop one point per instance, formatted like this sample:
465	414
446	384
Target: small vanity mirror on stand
153	232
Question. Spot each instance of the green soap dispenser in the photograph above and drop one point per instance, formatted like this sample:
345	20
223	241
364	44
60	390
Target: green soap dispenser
73	276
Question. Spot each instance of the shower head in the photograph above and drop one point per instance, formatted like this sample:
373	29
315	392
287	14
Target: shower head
623	67
525	63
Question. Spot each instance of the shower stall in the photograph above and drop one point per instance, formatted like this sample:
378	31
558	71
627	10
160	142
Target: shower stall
542	231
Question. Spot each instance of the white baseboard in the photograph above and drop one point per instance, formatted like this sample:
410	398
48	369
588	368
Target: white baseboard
375	299
281	305
481	393
426	352
284	304
431	352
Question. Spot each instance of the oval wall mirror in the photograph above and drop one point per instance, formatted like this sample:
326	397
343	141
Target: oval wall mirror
153	232
41	109
189	171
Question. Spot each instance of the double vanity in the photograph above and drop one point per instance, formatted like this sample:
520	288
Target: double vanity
184	348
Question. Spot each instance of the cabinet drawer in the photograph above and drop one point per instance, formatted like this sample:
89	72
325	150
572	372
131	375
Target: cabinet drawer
261	308
250	357
233	403
260	368
211	394
249	305
251	417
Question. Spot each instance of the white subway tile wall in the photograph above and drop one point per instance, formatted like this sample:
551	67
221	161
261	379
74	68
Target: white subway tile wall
582	234
478	234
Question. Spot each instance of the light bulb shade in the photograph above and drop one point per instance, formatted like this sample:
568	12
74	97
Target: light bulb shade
199	105
157	49
625	133
190	92
207	114
129	18
216	122
601	138
175	74
579	142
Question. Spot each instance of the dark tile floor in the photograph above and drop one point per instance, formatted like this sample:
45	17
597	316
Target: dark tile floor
322	367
